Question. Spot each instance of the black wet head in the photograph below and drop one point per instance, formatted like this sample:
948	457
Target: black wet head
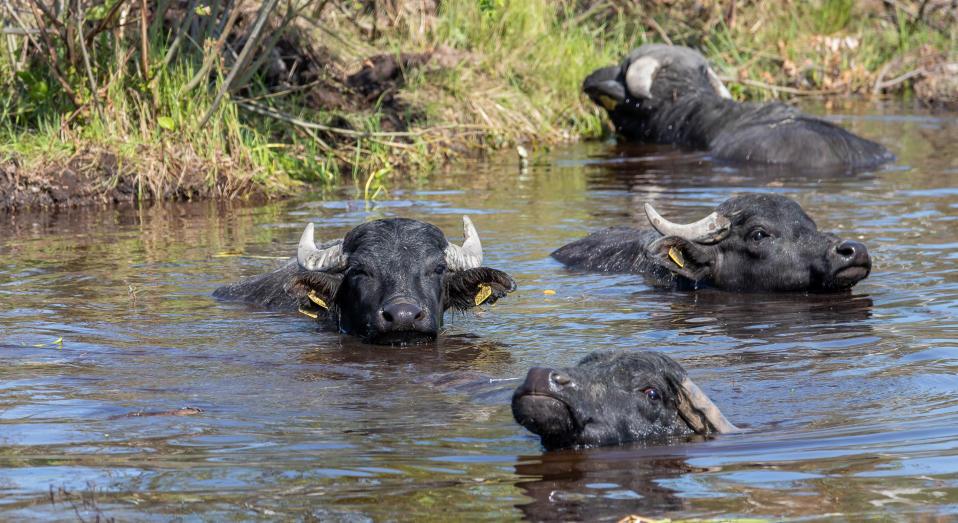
397	284
392	286
772	245
607	398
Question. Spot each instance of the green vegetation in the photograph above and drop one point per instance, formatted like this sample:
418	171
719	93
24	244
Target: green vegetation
198	99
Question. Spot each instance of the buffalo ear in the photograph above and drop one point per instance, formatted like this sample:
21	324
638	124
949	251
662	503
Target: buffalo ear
484	285
308	287
682	257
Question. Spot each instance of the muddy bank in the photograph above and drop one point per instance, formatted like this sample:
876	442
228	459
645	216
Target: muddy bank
99	177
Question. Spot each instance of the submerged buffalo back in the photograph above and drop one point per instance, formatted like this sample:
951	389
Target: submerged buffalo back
270	290
615	249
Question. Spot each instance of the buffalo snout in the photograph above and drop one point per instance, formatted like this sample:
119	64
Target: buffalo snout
850	264
538	407
854	253
541	380
401	315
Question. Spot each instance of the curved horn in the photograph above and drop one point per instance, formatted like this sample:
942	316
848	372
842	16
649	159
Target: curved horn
718	85
469	256
711	229
638	77
314	259
699	412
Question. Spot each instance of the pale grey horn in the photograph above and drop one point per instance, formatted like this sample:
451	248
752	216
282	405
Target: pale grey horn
312	258
469	256
638	77
699	412
711	229
718	85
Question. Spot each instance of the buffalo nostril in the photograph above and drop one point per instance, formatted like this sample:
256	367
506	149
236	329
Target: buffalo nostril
559	379
847	249
854	252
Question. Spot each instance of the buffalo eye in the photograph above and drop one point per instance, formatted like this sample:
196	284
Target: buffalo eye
757	235
357	270
440	268
652	394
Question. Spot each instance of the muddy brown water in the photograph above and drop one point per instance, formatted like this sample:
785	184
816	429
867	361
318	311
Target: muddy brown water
851	400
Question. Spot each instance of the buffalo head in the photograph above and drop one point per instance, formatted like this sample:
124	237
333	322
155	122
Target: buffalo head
751	242
612	397
758	242
651	71
388	281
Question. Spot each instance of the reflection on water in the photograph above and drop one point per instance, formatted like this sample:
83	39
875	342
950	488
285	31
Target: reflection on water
849	399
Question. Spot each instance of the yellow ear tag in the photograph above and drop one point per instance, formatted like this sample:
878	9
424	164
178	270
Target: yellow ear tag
676	256
607	102
315	299
484	292
311	315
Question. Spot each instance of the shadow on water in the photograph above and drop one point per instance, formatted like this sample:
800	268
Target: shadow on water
767	316
450	353
601	484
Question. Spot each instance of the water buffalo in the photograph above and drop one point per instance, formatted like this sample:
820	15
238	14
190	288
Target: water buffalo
752	242
614	397
387	281
669	94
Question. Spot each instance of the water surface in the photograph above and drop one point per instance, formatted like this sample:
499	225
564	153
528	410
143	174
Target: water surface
851	399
